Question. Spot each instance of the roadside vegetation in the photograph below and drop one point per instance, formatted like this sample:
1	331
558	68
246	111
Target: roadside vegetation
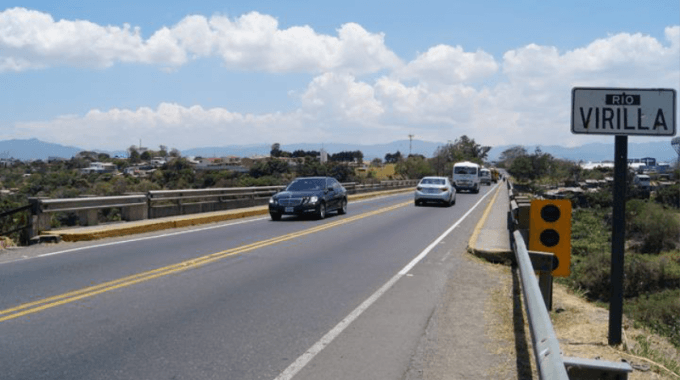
652	253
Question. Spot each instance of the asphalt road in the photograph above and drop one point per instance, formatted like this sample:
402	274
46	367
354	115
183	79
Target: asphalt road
345	297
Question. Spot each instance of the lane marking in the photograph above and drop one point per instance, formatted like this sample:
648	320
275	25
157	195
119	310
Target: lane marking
478	228
90	291
307	357
198	229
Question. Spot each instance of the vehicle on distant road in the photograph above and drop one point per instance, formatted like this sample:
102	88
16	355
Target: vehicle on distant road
435	189
466	176
485	176
642	181
309	196
494	175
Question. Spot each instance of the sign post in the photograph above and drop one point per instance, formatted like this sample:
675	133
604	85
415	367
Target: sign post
621	112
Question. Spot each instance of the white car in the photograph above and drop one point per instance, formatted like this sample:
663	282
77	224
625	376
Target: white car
435	189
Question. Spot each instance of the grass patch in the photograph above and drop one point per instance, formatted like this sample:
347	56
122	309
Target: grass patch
659	311
644	349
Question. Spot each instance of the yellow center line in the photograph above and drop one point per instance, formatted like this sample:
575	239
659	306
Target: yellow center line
90	291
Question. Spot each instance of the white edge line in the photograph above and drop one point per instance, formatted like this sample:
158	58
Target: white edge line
140	239
307	357
156	236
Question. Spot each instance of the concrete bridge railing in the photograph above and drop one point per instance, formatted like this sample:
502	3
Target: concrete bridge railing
164	203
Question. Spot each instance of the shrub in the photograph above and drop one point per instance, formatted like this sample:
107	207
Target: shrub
589	232
602	198
591	274
653	226
642	274
669	196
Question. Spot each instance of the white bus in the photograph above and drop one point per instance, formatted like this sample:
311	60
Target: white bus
466	176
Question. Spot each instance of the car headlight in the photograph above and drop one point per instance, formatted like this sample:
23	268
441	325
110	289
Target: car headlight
272	201
313	199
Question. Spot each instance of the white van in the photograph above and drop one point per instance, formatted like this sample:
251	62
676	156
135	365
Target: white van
485	176
466	176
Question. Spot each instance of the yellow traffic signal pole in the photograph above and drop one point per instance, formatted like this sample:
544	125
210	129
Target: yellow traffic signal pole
618	239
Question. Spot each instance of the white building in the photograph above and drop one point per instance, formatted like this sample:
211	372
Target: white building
99	167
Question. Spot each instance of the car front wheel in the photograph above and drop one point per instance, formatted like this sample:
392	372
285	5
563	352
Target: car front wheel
343	207
275	216
322	211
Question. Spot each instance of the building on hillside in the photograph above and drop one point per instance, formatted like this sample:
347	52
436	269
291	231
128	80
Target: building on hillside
99	167
8	162
158	162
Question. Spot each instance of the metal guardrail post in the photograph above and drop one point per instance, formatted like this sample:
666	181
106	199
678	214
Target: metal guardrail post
544	263
546	347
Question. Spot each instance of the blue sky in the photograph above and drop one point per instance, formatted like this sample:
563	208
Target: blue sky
103	75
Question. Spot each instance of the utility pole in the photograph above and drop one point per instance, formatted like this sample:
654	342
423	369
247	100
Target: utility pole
410	144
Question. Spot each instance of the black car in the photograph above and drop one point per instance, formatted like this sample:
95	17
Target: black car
309	196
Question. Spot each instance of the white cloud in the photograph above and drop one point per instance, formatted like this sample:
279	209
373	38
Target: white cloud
440	95
255	42
170	124
443	64
31	39
340	97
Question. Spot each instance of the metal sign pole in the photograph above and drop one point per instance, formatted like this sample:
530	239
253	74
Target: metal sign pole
618	239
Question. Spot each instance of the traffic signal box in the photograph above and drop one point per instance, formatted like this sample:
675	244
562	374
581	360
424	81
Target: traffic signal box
550	231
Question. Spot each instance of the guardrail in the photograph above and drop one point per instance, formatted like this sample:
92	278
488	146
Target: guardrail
158	204
549	360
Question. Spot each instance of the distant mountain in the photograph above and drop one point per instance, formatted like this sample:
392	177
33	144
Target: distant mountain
34	149
662	151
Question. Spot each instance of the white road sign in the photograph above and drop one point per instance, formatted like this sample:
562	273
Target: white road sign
623	111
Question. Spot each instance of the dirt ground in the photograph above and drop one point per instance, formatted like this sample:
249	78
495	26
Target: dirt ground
581	328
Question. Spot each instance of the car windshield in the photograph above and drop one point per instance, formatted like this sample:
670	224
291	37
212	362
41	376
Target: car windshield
433	181
307	184
465	170
486	173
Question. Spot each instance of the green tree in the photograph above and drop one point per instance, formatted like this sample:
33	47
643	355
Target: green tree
276	150
272	167
133	155
510	154
414	167
393	158
463	149
522	168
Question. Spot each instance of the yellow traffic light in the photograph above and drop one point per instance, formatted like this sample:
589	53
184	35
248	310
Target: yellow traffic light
550	231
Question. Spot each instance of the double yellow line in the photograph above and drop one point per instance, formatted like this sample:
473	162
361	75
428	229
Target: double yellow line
61	299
